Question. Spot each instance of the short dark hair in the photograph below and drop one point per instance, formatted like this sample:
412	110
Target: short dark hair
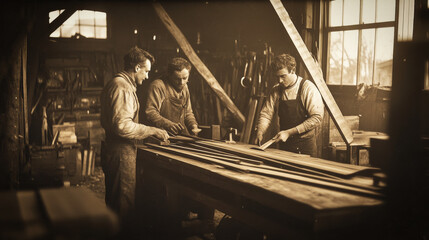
135	56
178	64
283	61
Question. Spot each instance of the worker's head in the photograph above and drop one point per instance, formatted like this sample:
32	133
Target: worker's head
284	66
138	62
178	72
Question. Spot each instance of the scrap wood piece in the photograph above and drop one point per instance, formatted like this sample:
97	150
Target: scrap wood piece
78	211
196	61
315	72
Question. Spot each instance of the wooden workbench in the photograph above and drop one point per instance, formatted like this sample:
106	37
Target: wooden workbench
278	203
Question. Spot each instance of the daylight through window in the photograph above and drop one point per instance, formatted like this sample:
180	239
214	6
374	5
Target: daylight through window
82	24
360	41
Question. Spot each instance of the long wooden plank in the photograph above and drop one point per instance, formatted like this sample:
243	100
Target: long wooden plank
245	150
305	178
279	162
288	176
296	200
216	154
315	72
245	161
24	90
196	61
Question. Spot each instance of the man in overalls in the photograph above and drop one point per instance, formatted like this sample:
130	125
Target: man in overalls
168	104
119	118
300	109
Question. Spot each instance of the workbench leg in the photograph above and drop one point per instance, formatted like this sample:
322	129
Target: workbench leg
353	155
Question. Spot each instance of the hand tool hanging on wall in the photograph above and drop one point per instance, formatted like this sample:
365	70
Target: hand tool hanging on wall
248	77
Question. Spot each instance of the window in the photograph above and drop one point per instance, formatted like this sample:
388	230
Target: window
360	42
83	23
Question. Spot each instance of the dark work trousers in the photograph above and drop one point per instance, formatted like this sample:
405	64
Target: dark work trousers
291	114
118	160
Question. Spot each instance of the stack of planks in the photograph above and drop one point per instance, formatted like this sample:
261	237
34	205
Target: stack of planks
298	168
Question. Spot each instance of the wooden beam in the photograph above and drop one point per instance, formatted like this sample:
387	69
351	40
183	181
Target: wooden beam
60	20
24	90
315	72
196	61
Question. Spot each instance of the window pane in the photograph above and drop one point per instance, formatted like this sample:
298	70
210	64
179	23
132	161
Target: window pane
335	13
335	57
101	32
350	57
366	62
56	33
87	31
83	22
368	11
384	56
72	21
351	12
100	19
53	15
86	17
385	10
68	31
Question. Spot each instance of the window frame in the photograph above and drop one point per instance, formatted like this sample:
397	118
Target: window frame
79	24
359	27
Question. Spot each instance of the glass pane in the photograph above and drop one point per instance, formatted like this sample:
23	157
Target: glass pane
68	31
53	15
350	57
101	32
385	10
87	31
351	12
368	11
100	19
366	62
383	56
335	13
73	20
86	17
335	57
56	33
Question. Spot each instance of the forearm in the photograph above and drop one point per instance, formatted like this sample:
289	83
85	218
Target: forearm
310	123
266	113
155	119
128	129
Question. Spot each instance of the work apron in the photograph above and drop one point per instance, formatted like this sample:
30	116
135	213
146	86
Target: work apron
291	114
173	108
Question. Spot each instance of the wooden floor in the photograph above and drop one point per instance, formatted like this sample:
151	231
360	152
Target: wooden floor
96	184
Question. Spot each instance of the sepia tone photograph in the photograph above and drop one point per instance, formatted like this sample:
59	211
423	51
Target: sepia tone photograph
214	120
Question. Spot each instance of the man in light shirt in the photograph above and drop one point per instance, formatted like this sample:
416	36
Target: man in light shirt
119	118
300	109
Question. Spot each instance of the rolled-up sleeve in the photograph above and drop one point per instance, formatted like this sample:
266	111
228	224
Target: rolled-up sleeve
268	110
155	98
124	107
313	103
